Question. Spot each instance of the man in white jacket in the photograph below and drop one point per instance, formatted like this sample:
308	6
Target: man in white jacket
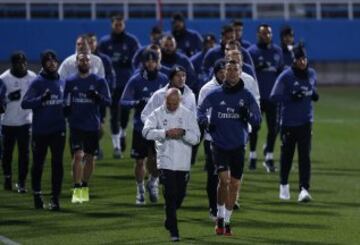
16	121
175	130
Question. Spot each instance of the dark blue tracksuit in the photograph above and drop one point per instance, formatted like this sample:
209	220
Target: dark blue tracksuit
121	49
188	42
197	61
245	43
227	127
288	56
137	92
268	61
48	129
295	94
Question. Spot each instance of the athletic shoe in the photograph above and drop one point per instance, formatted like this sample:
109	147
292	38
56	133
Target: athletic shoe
227	231
284	192
252	164
153	191
54	204
140	199
269	166
38	201
219	228
85	197
117	153
174	236
76	196
123	143
7	184
20	188
304	195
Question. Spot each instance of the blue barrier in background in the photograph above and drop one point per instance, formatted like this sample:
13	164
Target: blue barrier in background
326	40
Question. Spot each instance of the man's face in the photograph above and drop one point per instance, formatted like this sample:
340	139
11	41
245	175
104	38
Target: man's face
301	63
118	26
238	31
51	65
178	25
151	65
209	44
92	41
178	81
234	55
155	38
172	102
82	46
265	34
168	46
228	36
232	74
220	75
20	66
288	40
230	47
83	63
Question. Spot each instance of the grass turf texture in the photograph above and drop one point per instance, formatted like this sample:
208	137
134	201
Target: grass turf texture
111	217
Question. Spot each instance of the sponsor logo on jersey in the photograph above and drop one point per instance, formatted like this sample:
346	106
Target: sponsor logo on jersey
223	103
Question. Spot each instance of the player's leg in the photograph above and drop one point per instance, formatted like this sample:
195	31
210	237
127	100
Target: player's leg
23	140
272	125
212	180
304	149
8	148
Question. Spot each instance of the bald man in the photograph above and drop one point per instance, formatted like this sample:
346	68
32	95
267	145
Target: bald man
174	130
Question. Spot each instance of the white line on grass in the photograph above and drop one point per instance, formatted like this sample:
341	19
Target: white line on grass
7	241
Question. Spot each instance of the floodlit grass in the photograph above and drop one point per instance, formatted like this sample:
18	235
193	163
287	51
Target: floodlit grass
112	218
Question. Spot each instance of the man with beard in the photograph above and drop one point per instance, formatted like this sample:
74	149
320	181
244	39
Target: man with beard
269	63
232	108
121	47
296	90
136	94
170	58
16	122
45	99
239	31
84	94
188	41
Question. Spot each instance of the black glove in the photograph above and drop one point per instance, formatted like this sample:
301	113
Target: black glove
93	95
244	114
297	95
140	104
315	96
15	95
67	111
46	95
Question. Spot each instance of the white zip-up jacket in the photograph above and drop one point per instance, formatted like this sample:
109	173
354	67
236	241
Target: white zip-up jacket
172	154
14	115
68	67
158	98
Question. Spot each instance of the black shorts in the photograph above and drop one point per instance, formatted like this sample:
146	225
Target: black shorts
140	146
232	160
88	141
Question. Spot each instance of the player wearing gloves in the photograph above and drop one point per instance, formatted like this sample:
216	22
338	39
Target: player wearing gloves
16	122
231	109
136	94
296	90
84	93
175	130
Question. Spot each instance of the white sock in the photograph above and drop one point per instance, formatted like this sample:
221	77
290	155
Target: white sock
227	215
220	211
269	156
252	154
116	140
122	133
153	180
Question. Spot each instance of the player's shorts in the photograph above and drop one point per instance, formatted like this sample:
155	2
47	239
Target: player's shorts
140	146
232	160
88	141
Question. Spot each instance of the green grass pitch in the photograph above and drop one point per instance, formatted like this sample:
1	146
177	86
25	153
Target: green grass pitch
111	216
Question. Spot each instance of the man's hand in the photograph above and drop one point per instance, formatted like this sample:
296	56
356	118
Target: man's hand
93	95
175	133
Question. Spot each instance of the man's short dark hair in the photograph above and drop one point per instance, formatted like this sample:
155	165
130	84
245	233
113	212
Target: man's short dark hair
263	25
237	23
117	18
226	29
156	30
234	42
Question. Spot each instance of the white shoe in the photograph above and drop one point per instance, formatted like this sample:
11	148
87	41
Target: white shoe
284	192
304	196
140	199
